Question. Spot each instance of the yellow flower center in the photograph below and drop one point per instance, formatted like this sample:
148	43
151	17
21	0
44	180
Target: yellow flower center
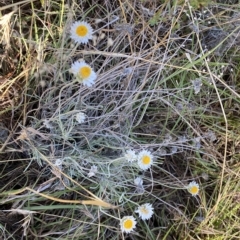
146	160
128	224
193	190
85	72
81	31
144	210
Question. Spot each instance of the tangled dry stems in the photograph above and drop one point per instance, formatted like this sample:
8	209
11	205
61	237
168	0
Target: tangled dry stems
143	99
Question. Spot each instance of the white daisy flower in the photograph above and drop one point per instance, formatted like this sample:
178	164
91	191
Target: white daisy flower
193	188
92	171
130	155
127	224
81	32
138	181
84	73
139	185
145	211
145	159
80	117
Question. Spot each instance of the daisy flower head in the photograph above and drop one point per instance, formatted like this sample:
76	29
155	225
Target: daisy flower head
127	224
145	211
138	181
193	188
145	159
81	32
84	73
80	117
130	156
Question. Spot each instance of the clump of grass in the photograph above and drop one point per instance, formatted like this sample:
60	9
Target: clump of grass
164	88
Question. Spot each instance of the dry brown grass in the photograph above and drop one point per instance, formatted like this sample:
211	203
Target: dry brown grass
146	97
